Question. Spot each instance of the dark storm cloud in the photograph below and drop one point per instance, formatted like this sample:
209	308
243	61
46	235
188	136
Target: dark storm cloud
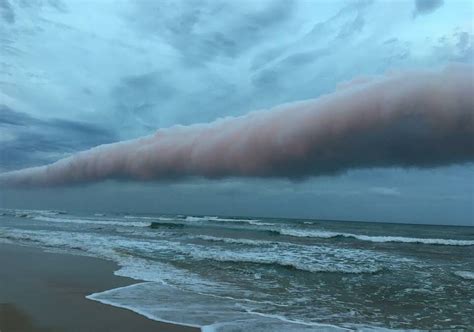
31	141
412	119
426	6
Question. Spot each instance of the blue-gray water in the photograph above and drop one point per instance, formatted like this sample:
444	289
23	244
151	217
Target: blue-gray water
237	274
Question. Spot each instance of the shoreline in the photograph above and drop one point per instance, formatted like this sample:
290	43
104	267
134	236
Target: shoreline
44	291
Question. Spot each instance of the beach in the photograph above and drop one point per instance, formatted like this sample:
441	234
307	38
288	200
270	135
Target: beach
43	291
125	272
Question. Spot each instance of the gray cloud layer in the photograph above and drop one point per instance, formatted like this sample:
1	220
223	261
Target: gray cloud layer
410	119
28	141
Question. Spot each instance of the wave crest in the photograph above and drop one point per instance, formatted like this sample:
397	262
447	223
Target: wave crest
377	239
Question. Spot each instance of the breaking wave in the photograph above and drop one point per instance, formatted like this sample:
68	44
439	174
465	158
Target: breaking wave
233	241
92	221
465	275
378	239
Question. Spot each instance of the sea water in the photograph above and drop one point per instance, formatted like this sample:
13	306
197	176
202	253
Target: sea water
264	274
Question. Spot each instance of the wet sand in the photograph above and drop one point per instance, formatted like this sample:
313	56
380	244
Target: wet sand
42	291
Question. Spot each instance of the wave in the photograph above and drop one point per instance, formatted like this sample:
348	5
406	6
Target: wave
25	213
465	275
198	221
306	233
290	260
155	224
93	221
378	239
237	220
234	241
151	218
258	223
209	313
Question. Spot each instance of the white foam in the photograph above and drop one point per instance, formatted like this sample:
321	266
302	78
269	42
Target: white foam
380	239
307	233
93	221
467	275
308	258
100	297
186	308
304	258
446	242
151	218
28	213
233	240
211	218
258	223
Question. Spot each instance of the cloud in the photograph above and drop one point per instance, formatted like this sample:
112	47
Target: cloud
202	31
7	12
457	46
423	7
28	141
140	98
411	119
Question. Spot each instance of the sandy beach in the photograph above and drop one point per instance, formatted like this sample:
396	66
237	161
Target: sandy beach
42	291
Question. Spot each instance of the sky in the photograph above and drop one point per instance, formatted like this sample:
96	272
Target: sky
78	74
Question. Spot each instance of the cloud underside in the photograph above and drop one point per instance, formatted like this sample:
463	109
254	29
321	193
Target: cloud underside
27	141
412	119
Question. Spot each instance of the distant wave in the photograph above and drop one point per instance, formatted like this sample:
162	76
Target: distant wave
150	218
195	219
233	241
465	275
306	233
95	222
379	239
164	224
256	222
259	223
19	213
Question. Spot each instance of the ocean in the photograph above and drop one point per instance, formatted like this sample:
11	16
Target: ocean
269	274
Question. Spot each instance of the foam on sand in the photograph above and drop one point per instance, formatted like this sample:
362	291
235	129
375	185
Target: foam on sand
186	308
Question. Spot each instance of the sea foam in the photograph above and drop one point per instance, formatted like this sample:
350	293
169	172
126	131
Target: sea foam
93	221
185	308
379	239
467	275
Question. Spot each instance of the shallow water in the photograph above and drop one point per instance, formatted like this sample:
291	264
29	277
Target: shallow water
228	274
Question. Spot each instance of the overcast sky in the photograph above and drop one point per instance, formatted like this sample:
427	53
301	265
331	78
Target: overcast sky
77	74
